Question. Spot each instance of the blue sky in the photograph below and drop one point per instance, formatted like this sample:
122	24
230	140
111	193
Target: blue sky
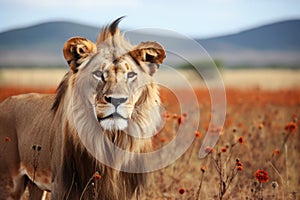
195	18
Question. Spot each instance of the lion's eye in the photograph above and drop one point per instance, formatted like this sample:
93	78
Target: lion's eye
131	74
98	75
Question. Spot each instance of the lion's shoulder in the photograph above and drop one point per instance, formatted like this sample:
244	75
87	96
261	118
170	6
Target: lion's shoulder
27	104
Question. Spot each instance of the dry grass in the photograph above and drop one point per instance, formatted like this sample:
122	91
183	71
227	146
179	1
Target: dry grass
259	116
263	78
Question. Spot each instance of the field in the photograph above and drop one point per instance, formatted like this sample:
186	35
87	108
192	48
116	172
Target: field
261	132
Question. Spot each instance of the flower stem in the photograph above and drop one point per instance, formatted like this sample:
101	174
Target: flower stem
199	187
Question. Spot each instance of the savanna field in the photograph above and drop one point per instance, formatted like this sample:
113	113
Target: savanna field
256	156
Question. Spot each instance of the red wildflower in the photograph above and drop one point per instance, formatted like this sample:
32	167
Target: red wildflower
7	139
239	164
163	140
197	134
239	168
261	176
241	140
223	149
275	152
181	190
97	176
203	169
291	127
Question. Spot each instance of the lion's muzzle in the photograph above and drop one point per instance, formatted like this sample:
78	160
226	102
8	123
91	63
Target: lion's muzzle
115	101
114	112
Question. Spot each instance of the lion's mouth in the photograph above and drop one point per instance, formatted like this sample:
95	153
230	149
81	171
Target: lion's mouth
114	115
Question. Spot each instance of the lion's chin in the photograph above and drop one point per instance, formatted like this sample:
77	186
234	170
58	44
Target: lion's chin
112	124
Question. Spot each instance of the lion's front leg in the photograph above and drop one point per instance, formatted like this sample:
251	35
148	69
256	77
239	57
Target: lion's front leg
35	193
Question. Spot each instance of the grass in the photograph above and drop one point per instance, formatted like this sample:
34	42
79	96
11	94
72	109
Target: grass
255	137
261	132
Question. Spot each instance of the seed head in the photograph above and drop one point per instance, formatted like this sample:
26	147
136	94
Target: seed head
241	140
181	190
274	184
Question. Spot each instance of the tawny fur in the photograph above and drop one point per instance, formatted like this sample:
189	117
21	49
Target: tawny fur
39	140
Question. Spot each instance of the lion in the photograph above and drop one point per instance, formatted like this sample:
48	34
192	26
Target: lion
52	142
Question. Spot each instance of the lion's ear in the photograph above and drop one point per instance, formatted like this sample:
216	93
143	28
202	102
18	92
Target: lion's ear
152	53
76	50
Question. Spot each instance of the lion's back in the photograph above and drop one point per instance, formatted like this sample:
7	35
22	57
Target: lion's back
26	108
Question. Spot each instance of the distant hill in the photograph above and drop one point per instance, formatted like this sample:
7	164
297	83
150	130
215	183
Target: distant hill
40	44
280	36
46	36
277	43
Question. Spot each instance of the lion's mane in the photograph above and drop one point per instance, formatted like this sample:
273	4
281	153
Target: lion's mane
81	139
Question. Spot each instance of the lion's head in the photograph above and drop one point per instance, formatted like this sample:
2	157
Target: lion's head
117	75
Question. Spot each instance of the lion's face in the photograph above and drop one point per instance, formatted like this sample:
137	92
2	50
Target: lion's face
118	87
117	72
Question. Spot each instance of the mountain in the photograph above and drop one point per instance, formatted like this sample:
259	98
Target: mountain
45	36
273	44
280	36
41	45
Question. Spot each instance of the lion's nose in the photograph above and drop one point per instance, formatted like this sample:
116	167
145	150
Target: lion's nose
115	101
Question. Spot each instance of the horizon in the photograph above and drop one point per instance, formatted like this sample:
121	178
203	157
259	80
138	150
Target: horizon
194	19
126	28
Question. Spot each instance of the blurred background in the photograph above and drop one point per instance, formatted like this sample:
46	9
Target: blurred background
253	43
